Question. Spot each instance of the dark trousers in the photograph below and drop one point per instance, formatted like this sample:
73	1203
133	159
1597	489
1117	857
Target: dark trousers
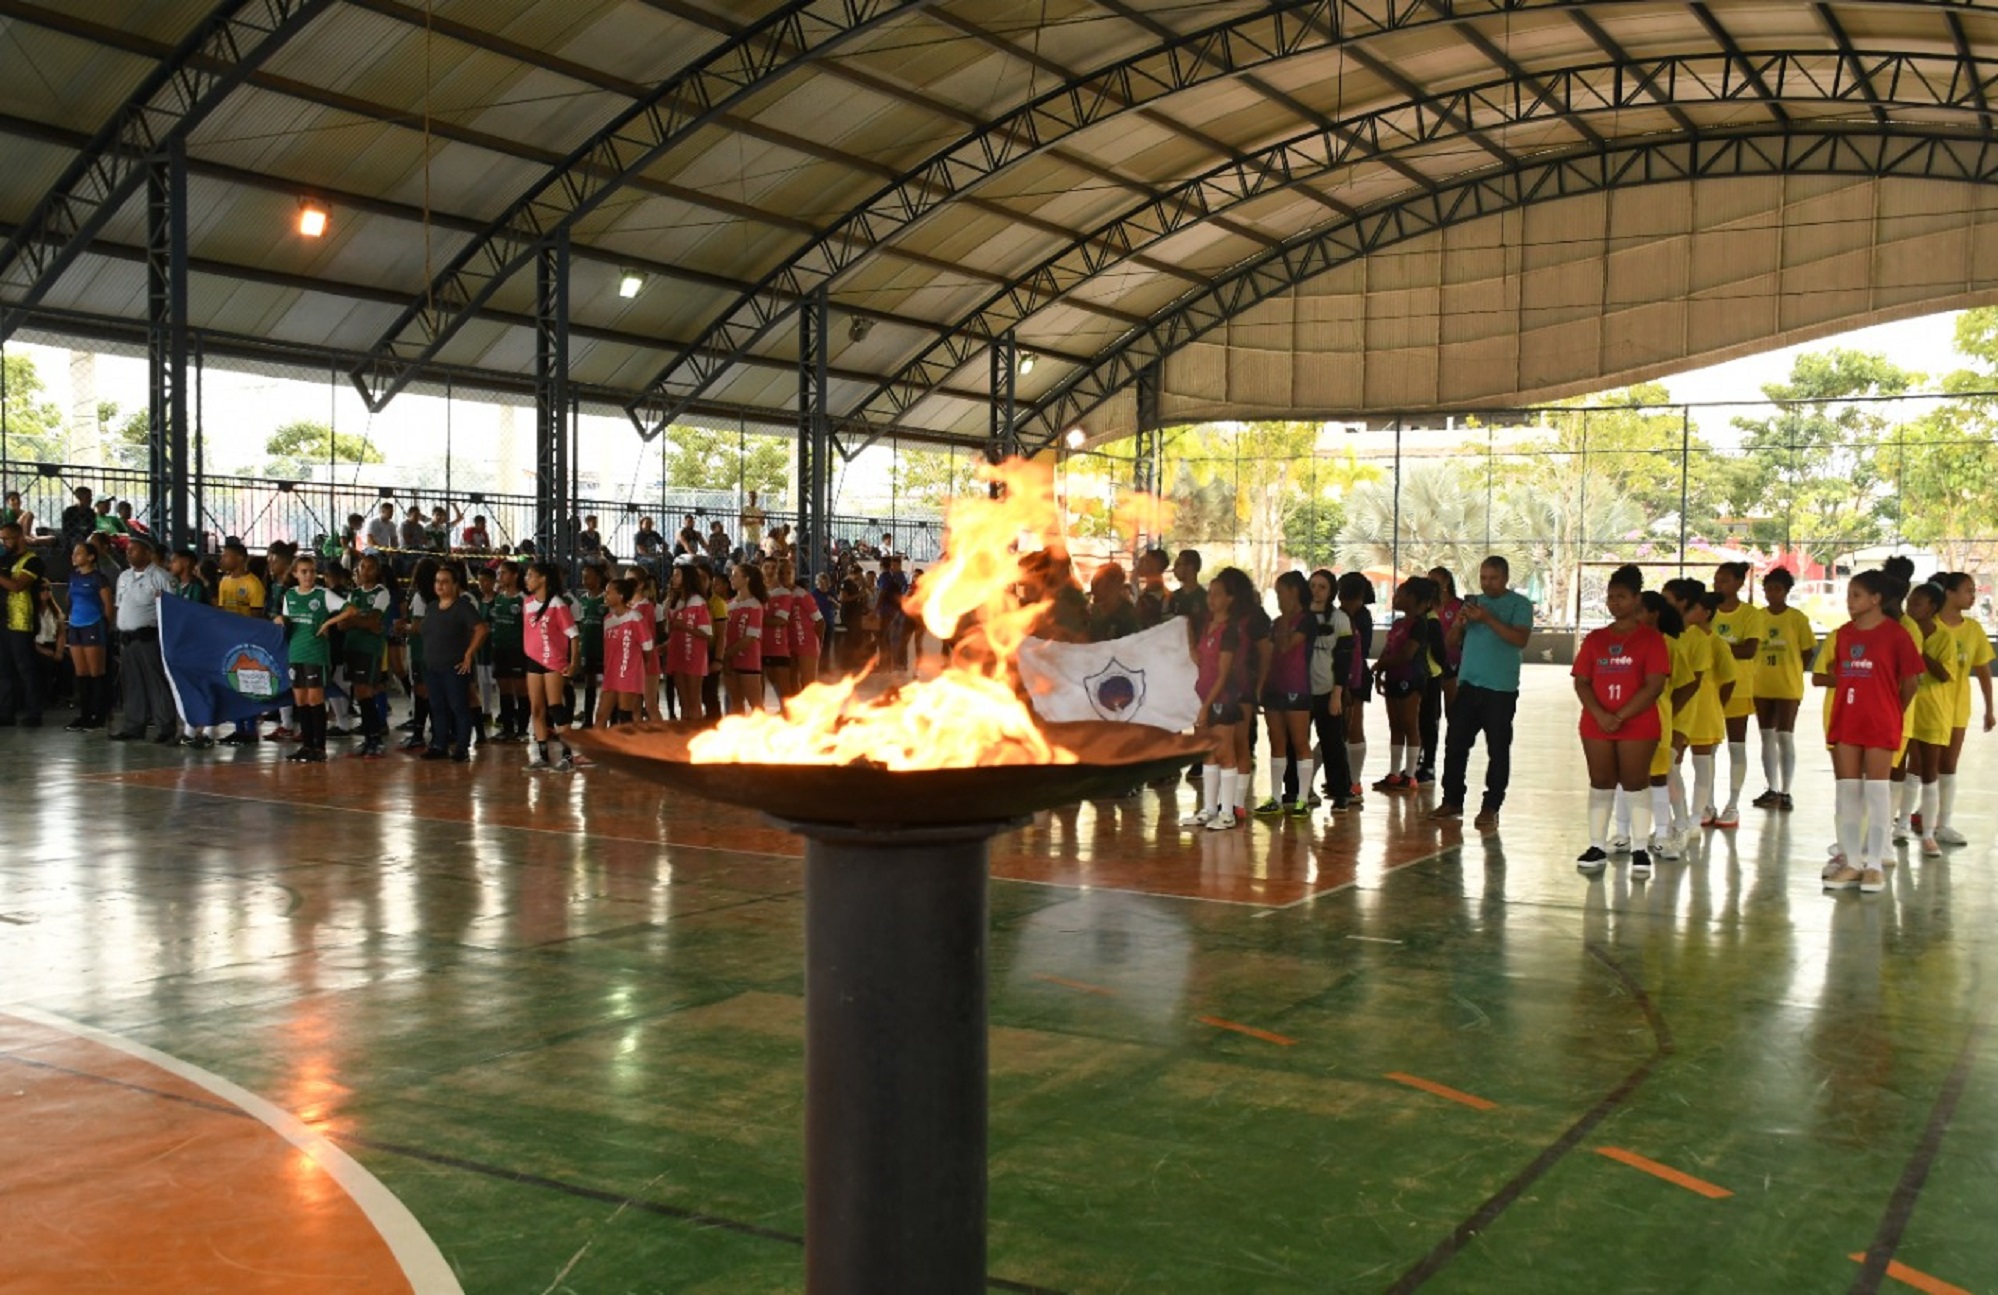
450	710
1479	710
1331	733
20	676
1430	722
142	686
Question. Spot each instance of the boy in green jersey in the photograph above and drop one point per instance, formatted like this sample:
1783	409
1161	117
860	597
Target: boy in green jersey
184	565
590	624
503	620
366	645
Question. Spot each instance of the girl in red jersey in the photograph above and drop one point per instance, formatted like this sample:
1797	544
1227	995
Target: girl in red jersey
689	630
742	645
554	651
627	653
1221	658
1619	671
806	623
776	631
646	603
1874	669
1287	697
1403	672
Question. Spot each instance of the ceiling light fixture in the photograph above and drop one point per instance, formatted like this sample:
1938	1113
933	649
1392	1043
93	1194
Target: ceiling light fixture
858	328
1075	438
311	218
630	283
1026	362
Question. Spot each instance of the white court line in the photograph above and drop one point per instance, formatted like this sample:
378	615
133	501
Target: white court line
422	1262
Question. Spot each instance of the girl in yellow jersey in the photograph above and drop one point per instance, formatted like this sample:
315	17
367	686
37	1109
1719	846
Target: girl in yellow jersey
1929	722
1787	643
1668	794
1973	661
1703	720
1739	625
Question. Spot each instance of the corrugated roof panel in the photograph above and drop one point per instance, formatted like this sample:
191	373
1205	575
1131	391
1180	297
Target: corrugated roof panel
63	80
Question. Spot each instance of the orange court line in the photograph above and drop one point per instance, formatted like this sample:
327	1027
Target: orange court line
1082	985
1667	1172
1915	1277
1249	1030
1441	1090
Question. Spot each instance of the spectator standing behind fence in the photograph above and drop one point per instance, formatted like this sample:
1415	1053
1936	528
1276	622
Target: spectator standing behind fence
474	537
648	541
753	520
13	514
79	520
21	578
141	673
412	535
381	531
1492	628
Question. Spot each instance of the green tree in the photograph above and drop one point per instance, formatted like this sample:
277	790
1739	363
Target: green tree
1438	516
1552	524
1818	482
298	447
126	444
1638	449
707	458
1259	464
35	431
932	478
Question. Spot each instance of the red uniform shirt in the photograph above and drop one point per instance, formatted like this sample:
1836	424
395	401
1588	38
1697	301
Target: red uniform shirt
805	618
1221	636
688	628
627	649
547	634
1290	672
1867	667
1617	665
745	630
777	624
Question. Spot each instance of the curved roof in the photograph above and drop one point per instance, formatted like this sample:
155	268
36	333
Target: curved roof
1341	207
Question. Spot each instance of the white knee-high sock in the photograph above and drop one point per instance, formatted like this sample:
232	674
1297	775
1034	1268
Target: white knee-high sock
1602	800
1638	806
1907	795
1945	803
1621	815
287	717
1675	791
339	706
1356	762
1931	799
1703	783
1231	791
1849	799
1661	809
1276	778
1210	786
1737	771
1786	749
1772	762
1395	750
1878	810
1307	769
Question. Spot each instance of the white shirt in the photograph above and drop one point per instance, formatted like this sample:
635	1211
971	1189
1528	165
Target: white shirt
381	533
139	594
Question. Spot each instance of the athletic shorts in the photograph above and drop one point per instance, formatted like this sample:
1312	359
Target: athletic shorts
1224	712
1400	687
1274	700
364	668
509	663
776	662
1661	759
308	676
529	666
87	635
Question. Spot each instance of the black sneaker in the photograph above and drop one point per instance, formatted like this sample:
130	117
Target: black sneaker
166	739
298	756
240	739
77	725
434	753
315	755
1592	860
461	757
1640	864
1766	799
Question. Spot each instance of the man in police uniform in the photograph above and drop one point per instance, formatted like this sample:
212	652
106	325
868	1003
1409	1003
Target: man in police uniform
141	673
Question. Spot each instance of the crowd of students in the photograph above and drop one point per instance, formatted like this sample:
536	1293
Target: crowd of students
1684	668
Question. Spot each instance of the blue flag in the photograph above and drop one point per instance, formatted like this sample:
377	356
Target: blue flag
222	667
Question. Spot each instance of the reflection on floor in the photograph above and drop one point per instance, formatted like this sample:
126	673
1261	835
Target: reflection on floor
559	1018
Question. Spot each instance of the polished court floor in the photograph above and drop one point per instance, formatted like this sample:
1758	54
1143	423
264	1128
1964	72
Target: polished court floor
395	1026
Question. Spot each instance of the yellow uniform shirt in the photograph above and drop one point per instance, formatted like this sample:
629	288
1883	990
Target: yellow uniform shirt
1973	650
243	595
1929	718
1787	642
1741	625
1702	720
1682	674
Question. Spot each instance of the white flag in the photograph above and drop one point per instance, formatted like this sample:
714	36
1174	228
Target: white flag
1147	678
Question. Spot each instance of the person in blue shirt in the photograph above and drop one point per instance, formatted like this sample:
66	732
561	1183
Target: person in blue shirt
1492	628
90	612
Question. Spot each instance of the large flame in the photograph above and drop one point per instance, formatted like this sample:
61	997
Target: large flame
968	714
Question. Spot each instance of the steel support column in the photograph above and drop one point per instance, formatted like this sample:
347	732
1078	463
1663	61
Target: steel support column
554	503
814	438
1145	474
1002	442
166	341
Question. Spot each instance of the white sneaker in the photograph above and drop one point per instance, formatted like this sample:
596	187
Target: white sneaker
1665	847
1845	877
1833	868
1221	823
1619	845
1931	847
1682	828
1198	818
1872	881
1900	831
1950	836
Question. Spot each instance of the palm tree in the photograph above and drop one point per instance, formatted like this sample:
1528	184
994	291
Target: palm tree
1440	516
1556	521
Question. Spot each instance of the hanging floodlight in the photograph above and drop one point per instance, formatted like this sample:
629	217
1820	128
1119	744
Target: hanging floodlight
630	283
1026	362
311	218
1075	438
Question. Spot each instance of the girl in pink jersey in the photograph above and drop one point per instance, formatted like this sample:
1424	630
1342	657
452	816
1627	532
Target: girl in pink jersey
806	619
628	654
742	643
689	632
554	651
646	604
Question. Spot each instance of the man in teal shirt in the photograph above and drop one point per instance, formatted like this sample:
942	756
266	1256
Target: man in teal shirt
1492	627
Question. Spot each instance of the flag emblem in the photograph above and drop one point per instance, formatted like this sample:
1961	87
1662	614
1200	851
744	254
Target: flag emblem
1116	691
251	672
